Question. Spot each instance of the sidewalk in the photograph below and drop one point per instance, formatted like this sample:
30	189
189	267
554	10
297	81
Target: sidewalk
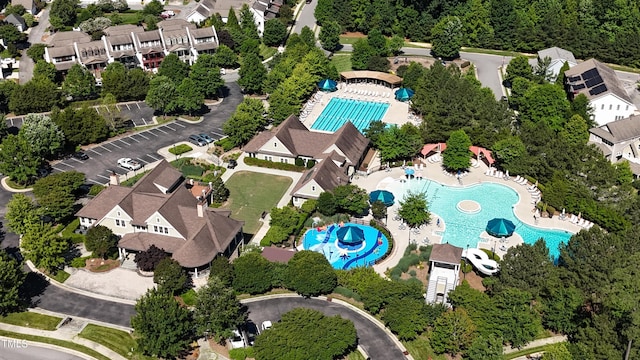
536	343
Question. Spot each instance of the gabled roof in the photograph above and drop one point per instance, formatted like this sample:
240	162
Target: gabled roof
326	174
120	39
14	19
153	35
595	79
275	254
66	38
124	29
556	53
300	141
619	130
27	4
61	51
446	253
164	191
175	24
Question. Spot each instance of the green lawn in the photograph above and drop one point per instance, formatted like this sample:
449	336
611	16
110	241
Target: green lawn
355	355
31	320
267	51
524	352
251	194
61	343
350	39
116	340
342	62
421	349
60	276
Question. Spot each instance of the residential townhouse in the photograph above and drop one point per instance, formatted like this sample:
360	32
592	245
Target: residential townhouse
619	141
558	57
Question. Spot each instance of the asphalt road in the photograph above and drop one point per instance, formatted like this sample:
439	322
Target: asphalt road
35	37
374	340
306	17
143	145
9	351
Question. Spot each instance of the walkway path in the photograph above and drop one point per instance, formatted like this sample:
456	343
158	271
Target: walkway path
536	343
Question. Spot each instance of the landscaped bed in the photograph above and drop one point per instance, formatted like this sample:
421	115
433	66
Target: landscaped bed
252	194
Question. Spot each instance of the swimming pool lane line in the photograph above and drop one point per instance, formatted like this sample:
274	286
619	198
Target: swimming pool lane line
369	252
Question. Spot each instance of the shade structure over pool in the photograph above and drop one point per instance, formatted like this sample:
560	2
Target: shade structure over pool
500	227
350	235
384	196
327	85
404	94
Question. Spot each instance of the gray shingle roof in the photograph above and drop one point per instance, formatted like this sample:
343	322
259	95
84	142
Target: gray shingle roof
619	130
16	20
556	53
578	80
446	253
326	174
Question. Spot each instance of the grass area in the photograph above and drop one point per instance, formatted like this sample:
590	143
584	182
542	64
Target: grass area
267	51
355	355
495	52
117	340
524	352
60	276
189	297
31	320
61	343
14	185
252	193
342	62
421	349
271	292
624	68
350	39
68	232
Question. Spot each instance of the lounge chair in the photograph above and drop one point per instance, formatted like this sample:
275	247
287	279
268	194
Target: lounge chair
589	226
518	178
523	181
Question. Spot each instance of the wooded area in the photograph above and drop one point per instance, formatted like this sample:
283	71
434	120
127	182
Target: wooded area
605	29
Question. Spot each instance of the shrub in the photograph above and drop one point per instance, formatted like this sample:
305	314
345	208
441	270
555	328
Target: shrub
148	260
299	162
272	165
309	206
347	293
192	170
96	189
68	232
413	273
311	163
425	252
225	143
411	248
491	254
275	235
180	149
79	262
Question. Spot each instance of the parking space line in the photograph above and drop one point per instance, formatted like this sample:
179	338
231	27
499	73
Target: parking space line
128	107
76	160
112	144
144	162
177	123
102	147
55	168
122	141
104	177
131	137
145	121
169	127
146	138
154	158
162	131
94	151
138	105
96	182
118	107
217	134
150	132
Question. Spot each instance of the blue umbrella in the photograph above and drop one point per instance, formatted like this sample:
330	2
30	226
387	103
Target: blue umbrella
327	85
404	94
499	227
384	196
350	235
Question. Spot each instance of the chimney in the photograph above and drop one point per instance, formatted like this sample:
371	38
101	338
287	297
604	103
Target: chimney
200	208
114	179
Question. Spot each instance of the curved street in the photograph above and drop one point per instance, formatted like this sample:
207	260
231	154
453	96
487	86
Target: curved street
10	350
375	341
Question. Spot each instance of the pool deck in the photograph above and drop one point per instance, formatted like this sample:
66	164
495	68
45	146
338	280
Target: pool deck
397	113
523	209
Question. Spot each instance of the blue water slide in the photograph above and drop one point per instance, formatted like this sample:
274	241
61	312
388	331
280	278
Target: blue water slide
369	252
328	236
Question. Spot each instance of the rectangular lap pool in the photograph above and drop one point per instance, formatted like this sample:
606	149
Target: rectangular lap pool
339	111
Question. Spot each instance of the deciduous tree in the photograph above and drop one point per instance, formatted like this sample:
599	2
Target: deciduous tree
252	74
362	53
101	240
406	318
43	135
206	76
330	36
79	83
189	98
217	310
447	37
457	155
149	259
56	193
310	274
351	199
21	211
162	94
170	277
274	32
225	57
252	274
63	13
327	204
43	246
222	268
245	123
36	52
163	328
37	95
453	333
173	68
519	67
11	279
414	210
485	348
18	160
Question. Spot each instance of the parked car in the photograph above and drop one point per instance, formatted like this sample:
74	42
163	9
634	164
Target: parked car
232	164
197	140
207	138
80	155
251	332
266	325
129	164
237	340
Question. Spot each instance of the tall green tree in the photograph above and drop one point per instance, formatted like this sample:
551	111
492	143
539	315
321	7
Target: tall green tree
245	122
44	70
351	199
519	67
43	246
101	241
252	74
310	274
83	126
21	211
575	131
545	103
509	152
170	276
447	37
114	80
225	57
406	318
559	80
18	160
248	23
485	348
174	68
63	13
330	36
414	210
517	268
79	83
557	352
162	94
56	193
205	74
217	309
37	95
378	43
457	155
44	136
361	54
399	143
453	333
252	274
11	279
162	327
274	32
6	90
189	98
222	268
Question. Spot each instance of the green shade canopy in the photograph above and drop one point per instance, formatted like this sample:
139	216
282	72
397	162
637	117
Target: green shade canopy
384	196
404	94
350	235
499	227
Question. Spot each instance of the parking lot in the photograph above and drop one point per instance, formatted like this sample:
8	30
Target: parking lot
137	111
143	145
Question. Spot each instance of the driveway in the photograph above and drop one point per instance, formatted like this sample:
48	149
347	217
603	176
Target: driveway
143	145
35	37
372	338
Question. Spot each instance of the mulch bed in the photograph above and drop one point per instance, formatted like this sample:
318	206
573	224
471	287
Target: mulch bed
99	265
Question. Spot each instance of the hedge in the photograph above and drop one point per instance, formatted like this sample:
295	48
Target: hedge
192	170
273	165
180	149
225	143
376	225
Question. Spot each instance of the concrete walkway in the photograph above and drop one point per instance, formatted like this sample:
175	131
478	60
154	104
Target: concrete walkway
536	343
